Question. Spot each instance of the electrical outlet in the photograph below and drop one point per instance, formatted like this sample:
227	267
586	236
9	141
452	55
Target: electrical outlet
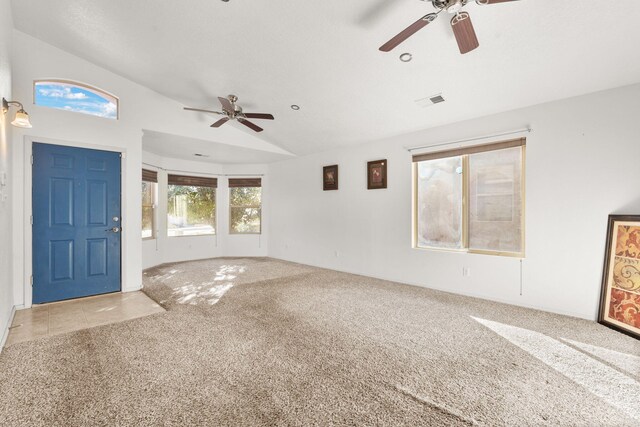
466	271
337	254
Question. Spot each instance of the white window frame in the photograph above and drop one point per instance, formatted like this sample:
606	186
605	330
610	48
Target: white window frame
258	207
215	212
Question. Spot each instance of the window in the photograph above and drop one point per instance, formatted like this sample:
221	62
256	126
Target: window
439	202
245	206
471	199
191	206
149	183
76	97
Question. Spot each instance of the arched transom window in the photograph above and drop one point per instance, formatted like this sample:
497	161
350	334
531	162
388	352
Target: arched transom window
76	97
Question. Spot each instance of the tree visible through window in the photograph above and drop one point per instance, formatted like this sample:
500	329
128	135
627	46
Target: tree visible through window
245	206
191	205
471	199
76	97
191	210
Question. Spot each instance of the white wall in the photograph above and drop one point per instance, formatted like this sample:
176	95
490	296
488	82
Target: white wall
582	165
140	108
6	200
165	249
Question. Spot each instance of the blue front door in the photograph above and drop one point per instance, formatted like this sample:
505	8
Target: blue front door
76	222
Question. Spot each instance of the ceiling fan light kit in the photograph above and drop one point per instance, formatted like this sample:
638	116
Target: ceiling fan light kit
232	111
454	6
460	24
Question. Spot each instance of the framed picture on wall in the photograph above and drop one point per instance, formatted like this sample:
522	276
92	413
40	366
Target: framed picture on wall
620	300
330	177
377	174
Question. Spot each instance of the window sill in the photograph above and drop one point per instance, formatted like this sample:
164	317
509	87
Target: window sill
472	251
434	249
193	235
498	253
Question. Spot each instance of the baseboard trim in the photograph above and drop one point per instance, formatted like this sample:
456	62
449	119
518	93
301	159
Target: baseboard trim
443	289
5	333
410	283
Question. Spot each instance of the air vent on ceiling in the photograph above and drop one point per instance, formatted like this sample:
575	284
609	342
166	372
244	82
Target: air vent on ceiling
430	100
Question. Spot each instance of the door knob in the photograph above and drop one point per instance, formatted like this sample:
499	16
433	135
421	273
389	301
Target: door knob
114	229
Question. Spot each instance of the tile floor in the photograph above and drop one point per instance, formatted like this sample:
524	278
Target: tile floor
73	315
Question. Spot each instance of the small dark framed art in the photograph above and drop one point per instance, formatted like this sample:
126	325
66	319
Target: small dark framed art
377	174
620	299
330	177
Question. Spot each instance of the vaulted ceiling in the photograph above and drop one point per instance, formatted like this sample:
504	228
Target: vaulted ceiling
324	56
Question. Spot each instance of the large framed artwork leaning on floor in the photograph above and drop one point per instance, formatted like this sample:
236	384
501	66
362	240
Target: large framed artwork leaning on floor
620	300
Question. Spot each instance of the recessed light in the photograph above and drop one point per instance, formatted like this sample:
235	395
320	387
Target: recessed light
295	107
406	57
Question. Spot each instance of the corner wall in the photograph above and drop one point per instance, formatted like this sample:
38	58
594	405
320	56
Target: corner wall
6	200
581	166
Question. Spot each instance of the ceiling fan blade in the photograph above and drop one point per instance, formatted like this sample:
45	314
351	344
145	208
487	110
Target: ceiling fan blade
408	32
220	122
226	104
464	32
202	111
483	2
250	125
259	116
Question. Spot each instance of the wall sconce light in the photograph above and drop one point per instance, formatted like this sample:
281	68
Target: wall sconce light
22	118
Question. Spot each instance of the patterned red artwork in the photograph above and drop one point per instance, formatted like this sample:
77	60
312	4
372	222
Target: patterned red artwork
628	242
625	307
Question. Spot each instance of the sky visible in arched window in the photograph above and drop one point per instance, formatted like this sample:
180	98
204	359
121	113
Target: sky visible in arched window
76	98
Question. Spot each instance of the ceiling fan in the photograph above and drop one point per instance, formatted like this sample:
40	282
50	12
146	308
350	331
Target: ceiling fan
233	111
460	23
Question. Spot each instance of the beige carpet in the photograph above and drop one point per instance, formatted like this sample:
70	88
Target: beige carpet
261	342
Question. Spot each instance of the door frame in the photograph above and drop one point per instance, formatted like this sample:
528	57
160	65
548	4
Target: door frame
28	210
